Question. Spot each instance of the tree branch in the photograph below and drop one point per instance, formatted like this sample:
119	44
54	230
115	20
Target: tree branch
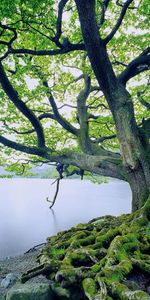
65	49
15	130
142	101
97	106
41	117
62	121
91	116
95	88
95	47
119	21
37	30
61	6
84	139
46	116
56	193
14	37
20	147
102	165
104	138
145	103
144	129
131	7
21	106
136	66
104	6
68	105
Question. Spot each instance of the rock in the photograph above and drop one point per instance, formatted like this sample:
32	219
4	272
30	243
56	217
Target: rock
9	280
30	291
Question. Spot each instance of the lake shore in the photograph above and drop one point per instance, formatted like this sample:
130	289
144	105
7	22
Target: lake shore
101	256
21	263
18	265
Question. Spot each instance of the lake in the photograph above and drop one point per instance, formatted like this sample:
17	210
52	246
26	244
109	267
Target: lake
25	217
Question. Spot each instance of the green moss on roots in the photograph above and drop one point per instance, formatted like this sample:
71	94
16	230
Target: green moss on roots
108	258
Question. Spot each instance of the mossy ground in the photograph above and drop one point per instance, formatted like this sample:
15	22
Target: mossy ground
108	258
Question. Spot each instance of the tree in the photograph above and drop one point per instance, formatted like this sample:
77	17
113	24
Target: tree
80	54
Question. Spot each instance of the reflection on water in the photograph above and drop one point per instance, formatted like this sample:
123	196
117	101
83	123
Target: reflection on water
25	217
54	220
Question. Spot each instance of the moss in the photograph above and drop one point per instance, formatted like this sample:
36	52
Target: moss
82	257
60	292
89	287
66	277
87	241
103	292
105	239
51	252
122	292
119	271
97	258
98	266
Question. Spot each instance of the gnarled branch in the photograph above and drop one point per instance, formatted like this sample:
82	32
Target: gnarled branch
61	6
104	138
41	117
136	66
21	106
103	165
62	121
104	6
66	49
22	148
119	21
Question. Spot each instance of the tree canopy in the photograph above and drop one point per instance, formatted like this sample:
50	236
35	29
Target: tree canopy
74	88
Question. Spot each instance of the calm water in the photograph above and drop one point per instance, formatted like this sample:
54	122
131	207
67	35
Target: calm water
25	217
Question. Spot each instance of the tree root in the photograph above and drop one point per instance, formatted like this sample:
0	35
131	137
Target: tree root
98	259
41	269
120	291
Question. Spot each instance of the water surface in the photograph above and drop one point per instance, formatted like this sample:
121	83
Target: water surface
25	217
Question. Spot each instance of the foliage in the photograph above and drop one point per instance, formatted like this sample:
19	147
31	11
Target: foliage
55	107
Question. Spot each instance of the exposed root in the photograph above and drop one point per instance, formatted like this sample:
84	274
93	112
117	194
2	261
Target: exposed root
100	260
41	269
121	291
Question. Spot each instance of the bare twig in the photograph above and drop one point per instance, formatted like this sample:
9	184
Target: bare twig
56	193
35	247
68	105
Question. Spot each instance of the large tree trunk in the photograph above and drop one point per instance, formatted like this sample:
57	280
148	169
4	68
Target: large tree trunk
133	153
140	191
